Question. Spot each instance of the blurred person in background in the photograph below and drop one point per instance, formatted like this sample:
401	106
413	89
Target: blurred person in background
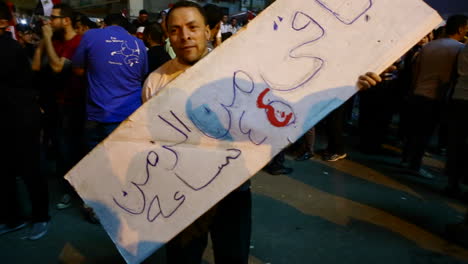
153	37
22	138
82	23
142	20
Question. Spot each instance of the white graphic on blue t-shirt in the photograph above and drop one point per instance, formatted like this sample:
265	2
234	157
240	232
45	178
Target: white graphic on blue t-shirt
130	56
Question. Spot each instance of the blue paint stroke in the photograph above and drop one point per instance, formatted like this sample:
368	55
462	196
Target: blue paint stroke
206	120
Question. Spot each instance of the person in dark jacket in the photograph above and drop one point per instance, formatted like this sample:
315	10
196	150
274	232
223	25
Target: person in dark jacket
153	36
21	139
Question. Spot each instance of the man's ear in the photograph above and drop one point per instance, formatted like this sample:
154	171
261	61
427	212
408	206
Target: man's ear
68	20
207	32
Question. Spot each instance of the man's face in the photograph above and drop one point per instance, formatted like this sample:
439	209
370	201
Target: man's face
25	36
188	34
56	20
463	30
143	17
234	22
80	29
225	19
424	41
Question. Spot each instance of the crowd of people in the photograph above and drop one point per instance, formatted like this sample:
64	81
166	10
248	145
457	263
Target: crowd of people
89	78
418	92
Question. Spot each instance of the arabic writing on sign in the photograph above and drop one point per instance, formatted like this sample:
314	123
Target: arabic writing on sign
152	204
237	108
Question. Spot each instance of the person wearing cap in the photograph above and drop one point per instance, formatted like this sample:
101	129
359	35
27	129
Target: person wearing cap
142	20
25	39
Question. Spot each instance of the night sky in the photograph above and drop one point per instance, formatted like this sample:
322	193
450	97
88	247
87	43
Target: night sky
447	7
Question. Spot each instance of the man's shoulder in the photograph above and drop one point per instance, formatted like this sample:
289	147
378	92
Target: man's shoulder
94	32
166	68
156	81
140	42
166	72
443	43
75	41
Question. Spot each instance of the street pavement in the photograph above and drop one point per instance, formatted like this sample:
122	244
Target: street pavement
363	209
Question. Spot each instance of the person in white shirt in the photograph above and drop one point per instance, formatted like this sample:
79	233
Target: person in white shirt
224	25
233	27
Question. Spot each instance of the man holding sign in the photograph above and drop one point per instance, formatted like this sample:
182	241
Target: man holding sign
228	222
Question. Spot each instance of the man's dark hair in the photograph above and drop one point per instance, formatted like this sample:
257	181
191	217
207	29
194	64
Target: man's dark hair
155	31
116	20
214	14
187	4
439	33
84	20
65	10
454	23
4	11
143	12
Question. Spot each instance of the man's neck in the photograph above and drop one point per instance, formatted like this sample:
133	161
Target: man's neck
191	64
69	33
456	37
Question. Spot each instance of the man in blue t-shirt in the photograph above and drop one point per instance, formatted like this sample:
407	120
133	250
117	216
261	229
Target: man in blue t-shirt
116	65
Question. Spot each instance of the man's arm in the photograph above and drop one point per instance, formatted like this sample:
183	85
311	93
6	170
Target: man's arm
37	58
55	62
218	39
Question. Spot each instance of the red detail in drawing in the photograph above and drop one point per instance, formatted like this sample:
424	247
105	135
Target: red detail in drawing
270	111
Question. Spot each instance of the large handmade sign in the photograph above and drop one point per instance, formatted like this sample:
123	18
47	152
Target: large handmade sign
222	120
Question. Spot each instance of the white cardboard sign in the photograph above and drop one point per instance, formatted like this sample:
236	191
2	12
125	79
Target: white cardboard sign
222	120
